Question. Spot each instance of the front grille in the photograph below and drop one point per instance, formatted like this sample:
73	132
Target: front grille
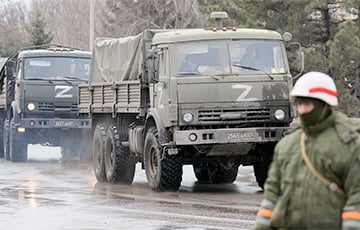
50	107
231	115
43	106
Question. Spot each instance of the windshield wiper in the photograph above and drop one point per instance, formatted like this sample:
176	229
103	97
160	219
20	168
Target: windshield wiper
62	78
254	69
75	78
39	79
187	73
70	78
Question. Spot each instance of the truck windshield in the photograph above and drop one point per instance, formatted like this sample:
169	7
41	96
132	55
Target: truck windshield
57	68
235	57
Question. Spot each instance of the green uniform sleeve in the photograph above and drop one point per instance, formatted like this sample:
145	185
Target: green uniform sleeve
272	184
272	189
351	212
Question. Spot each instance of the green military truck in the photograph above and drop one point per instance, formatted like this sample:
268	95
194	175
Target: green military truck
166	98
39	101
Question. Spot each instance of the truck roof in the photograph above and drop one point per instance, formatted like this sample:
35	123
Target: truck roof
54	52
185	35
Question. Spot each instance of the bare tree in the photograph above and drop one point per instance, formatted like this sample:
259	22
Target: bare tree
129	17
68	20
12	26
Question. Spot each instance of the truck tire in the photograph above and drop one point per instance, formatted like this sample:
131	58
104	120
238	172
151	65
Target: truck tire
18	146
219	171
225	175
260	171
201	171
119	164
6	139
98	148
163	171
261	167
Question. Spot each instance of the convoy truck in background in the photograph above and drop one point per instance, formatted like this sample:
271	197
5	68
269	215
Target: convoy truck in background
165	98
39	91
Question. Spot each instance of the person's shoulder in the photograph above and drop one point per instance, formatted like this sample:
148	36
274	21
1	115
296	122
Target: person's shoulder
293	130
347	128
291	136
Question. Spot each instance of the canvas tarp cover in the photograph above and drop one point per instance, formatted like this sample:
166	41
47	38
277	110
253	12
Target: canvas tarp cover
116	59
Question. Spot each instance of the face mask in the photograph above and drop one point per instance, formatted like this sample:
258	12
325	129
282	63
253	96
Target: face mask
318	114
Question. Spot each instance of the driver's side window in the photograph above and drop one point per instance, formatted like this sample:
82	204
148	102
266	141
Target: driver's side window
163	70
19	70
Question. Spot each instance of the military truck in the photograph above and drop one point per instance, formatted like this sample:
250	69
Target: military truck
39	106
166	98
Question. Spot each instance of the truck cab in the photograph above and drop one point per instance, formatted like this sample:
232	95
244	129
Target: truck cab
221	98
41	100
213	98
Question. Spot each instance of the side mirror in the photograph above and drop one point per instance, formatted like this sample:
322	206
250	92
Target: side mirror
299	63
296	59
152	66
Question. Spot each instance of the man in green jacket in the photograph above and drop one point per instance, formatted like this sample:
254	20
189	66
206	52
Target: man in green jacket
314	179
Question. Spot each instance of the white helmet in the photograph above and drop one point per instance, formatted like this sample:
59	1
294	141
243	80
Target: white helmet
316	85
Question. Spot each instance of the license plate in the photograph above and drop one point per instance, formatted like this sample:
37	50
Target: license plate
63	123
241	136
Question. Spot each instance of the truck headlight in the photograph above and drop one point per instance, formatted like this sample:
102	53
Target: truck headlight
188	117
279	114
31	106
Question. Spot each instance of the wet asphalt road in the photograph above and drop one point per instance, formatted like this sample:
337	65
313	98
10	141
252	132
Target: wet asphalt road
44	193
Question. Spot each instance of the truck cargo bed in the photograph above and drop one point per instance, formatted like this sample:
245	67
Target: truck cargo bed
117	97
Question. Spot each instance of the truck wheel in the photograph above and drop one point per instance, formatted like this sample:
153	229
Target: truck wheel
225	175
119	164
201	171
261	167
219	171
98	152
163	171
6	139
18	146
260	171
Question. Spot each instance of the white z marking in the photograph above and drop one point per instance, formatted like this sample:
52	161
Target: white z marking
61	91
247	89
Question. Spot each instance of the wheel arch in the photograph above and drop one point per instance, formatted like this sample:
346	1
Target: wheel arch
14	112
153	119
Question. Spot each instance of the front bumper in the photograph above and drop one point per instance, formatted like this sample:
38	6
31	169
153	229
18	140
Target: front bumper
50	123
230	135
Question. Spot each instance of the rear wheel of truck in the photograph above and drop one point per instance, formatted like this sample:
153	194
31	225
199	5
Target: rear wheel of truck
226	172
220	171
98	155
163	171
202	171
119	164
18	146
6	139
261	167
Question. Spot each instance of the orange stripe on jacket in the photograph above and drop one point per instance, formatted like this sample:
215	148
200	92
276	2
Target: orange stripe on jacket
265	212
351	215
